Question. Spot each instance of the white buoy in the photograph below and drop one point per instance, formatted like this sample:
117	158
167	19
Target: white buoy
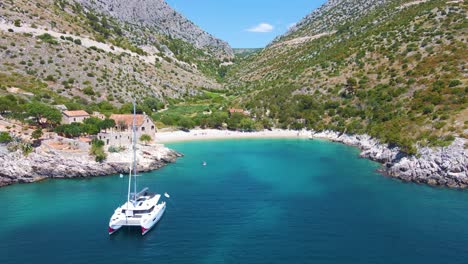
167	195
121	175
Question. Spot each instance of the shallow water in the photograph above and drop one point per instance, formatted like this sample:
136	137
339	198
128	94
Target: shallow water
256	201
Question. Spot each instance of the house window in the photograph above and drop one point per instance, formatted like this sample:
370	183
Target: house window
142	128
152	127
74	119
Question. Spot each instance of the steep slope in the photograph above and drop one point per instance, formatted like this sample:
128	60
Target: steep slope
99	52
393	69
330	16
158	16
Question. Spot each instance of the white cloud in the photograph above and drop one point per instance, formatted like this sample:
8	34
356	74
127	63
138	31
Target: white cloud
261	28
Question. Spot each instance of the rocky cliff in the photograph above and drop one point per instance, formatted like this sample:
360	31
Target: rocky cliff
447	166
43	164
331	16
158	16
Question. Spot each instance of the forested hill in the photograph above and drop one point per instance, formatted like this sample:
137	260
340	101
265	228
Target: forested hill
394	69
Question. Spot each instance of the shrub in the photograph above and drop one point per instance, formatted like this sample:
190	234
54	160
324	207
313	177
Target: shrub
77	41
100	155
454	83
5	137
26	148
17	23
46	37
97	150
114	149
37	134
97	143
145	138
88	90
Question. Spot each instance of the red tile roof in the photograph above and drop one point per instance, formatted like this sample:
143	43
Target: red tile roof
234	110
128	119
75	113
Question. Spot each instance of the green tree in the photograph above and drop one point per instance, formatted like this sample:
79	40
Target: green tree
234	121
247	124
217	119
69	130
37	134
97	150
44	114
107	123
186	123
145	138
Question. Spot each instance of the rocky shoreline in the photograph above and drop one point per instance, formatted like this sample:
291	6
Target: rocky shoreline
44	163
439	166
446	166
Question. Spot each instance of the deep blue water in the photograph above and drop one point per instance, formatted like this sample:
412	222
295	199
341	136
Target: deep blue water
257	201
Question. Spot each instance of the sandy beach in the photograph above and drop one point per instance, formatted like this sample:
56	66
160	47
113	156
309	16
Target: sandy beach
207	134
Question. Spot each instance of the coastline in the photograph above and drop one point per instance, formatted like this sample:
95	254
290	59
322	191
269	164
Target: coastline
46	163
437	166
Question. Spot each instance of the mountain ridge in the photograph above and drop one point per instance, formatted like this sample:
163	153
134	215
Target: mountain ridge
157	15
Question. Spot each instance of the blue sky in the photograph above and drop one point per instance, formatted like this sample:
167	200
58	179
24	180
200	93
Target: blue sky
245	23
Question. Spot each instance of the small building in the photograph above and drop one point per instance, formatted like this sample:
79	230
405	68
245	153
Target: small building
76	116
238	110
61	107
121	134
144	124
98	115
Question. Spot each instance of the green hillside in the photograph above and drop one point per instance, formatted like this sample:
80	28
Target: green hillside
397	72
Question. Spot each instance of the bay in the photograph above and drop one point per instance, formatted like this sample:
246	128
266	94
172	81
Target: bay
256	201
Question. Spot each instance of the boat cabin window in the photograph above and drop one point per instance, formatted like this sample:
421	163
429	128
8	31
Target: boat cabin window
143	211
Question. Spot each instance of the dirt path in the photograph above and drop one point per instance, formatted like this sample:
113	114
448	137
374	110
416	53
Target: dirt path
85	41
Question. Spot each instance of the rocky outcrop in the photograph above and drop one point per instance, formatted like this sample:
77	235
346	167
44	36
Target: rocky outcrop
446	166
332	15
43	164
158	16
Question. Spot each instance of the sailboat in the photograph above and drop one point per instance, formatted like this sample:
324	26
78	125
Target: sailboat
142	208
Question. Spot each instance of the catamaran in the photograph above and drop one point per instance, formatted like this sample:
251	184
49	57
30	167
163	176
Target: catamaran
141	209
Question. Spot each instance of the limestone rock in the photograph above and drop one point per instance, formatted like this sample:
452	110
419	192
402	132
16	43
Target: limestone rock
435	166
158	16
41	164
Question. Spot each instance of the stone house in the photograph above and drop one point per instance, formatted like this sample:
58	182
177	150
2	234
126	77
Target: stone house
99	115
77	116
121	134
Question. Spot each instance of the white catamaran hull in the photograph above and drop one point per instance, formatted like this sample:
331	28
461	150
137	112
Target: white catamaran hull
150	222
146	222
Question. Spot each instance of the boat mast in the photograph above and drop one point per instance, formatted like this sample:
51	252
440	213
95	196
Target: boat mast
134	151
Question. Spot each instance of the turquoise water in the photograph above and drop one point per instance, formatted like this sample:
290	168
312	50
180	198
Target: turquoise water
256	201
